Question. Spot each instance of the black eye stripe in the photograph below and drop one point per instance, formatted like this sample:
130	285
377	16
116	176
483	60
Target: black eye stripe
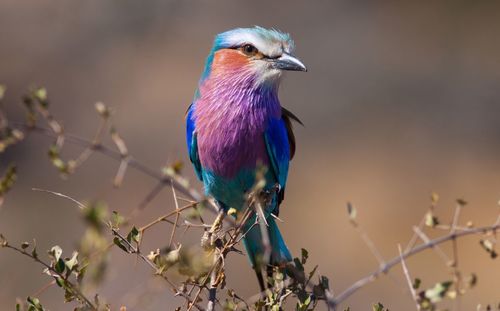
242	48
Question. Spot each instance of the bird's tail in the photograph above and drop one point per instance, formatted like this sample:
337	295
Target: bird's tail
256	248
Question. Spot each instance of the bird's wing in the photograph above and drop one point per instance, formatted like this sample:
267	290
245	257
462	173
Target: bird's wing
191	141
280	144
288	117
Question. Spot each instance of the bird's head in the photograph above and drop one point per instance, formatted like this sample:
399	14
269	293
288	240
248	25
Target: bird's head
255	53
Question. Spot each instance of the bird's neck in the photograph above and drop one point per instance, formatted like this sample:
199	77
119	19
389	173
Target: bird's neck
240	93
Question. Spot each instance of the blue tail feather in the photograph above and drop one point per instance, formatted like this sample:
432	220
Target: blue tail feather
255	247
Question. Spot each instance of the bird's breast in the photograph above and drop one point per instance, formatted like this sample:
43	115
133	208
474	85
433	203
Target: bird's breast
231	116
229	143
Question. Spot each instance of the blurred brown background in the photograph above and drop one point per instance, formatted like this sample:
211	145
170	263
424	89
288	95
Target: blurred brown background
402	98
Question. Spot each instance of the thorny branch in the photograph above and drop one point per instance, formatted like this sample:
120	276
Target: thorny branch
170	176
334	302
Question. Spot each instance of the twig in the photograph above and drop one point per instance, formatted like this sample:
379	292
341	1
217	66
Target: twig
80	204
448	262
264	231
44	288
408	277
151	195
177	214
369	243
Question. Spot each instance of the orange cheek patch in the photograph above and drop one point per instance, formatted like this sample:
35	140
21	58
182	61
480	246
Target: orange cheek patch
228	59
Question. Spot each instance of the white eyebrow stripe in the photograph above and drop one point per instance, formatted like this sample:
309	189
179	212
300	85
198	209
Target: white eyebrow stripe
268	48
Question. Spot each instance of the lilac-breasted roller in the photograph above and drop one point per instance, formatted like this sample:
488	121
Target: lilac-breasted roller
236	123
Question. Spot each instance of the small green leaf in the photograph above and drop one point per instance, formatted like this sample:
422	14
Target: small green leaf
3	241
416	283
489	247
8	180
313	271
436	293
60	281
305	255
102	110
431	220
133	235
34	253
303	305
95	214
55	252
59	266
472	280
378	307
117	220
298	264
34	304
173	256
72	262
118	242
352	212
434	198
3	88
325	282
232	211
81	274
40	95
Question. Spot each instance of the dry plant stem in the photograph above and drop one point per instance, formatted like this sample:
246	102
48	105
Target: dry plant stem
87	152
218	260
414	238
334	302
164	217
120	174
42	289
263	226
421	225
150	196
454	264
177	214
78	203
212	291
75	289
436	248
212	274
408	277
369	243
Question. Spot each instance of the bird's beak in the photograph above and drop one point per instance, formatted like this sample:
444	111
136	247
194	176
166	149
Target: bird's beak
288	62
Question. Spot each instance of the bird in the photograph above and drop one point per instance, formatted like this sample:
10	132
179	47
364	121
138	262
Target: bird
236	124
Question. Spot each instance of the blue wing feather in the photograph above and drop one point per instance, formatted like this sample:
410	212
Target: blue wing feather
191	141
278	149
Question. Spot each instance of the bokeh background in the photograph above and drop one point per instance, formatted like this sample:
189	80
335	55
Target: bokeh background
402	98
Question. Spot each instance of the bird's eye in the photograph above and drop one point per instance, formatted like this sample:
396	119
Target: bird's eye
249	49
